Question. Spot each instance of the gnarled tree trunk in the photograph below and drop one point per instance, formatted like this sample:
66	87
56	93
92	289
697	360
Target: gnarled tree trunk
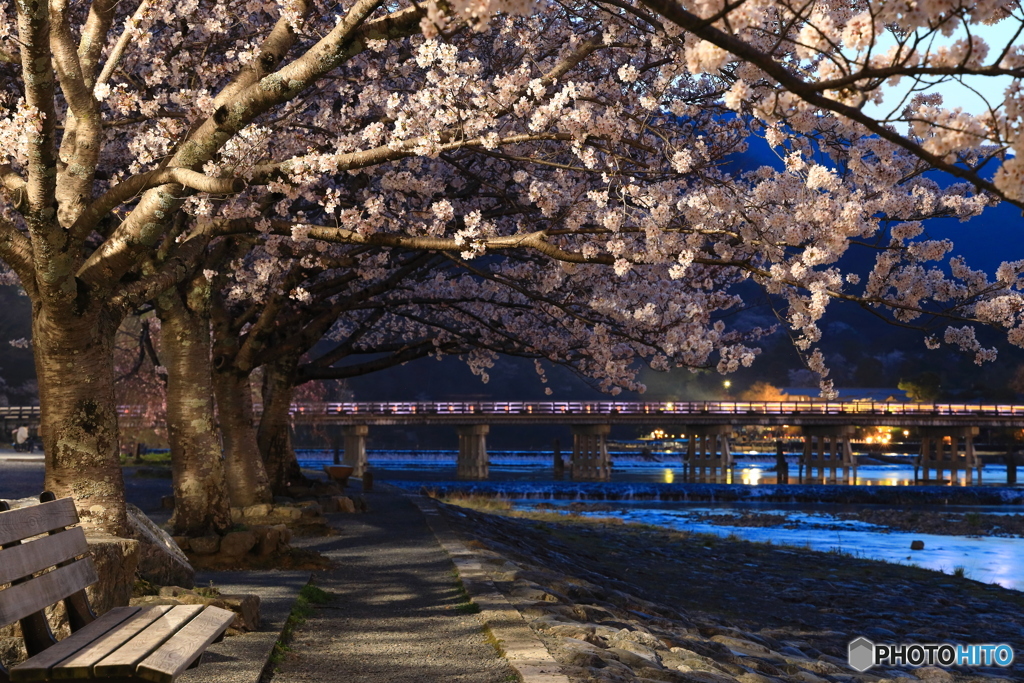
274	435
200	487
75	371
247	478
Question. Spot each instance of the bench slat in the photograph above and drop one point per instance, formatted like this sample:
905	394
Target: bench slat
32	596
122	662
38	668
28	558
16	525
80	664
185	646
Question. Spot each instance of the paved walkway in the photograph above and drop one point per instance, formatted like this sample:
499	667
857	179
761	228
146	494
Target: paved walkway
394	615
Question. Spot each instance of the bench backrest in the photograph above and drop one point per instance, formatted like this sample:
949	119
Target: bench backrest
44	561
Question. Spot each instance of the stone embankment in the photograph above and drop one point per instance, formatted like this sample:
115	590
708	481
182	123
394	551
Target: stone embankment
881	495
622	603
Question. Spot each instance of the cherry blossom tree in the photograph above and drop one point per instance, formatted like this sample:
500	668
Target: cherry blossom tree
574	159
872	69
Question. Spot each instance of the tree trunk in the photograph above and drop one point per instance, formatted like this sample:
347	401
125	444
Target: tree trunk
274	434
200	488
75	371
247	478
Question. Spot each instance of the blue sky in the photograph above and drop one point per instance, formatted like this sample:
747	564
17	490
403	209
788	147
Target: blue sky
955	94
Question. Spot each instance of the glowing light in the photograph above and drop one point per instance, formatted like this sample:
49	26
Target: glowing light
752	476
670	476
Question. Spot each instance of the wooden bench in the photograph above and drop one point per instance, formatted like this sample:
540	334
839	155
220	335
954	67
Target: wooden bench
125	644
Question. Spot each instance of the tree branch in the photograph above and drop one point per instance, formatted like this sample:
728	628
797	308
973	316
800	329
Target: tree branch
174	270
747	52
37	75
16	252
15	185
122	42
131	187
94	37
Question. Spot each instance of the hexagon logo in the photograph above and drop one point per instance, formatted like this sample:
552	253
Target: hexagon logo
862	654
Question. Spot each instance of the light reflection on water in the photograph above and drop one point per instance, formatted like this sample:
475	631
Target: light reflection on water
439	465
987	559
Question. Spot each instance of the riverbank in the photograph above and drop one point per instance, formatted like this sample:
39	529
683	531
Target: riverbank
883	520
790	493
617	602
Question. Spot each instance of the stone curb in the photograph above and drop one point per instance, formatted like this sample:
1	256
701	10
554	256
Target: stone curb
521	646
243	658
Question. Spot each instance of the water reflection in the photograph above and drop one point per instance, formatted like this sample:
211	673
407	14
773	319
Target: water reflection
438	465
751	476
986	559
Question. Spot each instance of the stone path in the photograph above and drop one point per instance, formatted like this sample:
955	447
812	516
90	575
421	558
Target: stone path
397	614
241	659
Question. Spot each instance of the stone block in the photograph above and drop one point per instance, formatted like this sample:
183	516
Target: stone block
286	513
344	504
917	545
204	545
161	560
237	515
116	560
257	511
268	540
237	543
246	607
181	542
310	508
286	533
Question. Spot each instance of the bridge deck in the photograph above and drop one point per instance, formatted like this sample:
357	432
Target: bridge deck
768	413
663	412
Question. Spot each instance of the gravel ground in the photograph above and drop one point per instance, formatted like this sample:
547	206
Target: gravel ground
397	612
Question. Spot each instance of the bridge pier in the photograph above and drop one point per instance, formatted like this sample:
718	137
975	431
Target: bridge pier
355	448
590	461
473	462
827	450
708	456
941	457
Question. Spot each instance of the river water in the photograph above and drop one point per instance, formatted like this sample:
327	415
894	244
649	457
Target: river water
528	480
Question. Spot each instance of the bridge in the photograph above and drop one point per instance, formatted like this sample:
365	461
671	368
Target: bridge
947	430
